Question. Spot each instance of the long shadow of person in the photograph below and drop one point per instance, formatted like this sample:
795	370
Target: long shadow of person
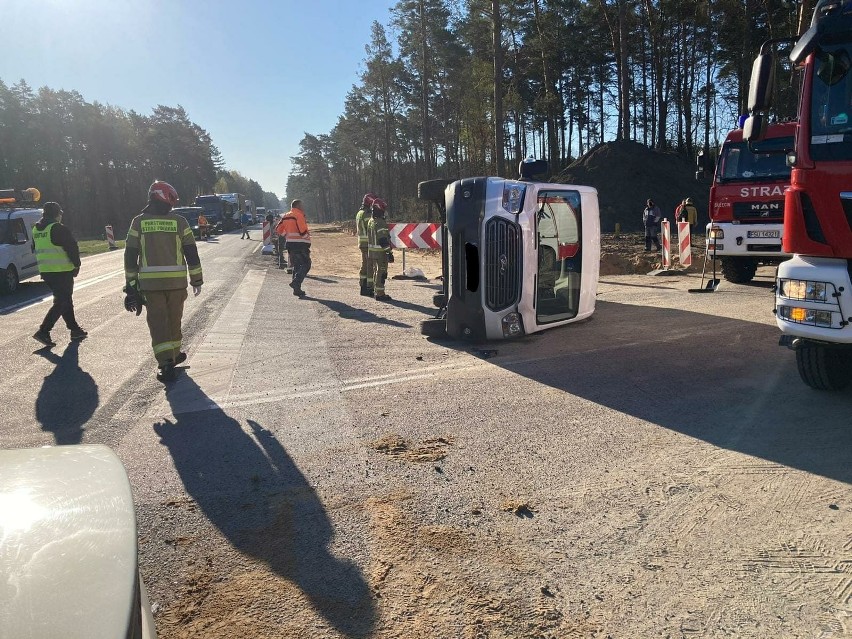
68	397
345	311
251	490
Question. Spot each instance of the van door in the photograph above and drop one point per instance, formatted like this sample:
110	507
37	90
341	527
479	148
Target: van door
21	239
560	259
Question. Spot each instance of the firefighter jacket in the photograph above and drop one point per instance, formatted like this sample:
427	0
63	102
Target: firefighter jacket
294	229
378	236
691	213
361	221
55	248
158	251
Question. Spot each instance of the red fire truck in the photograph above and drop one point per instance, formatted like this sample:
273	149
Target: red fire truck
747	202
813	297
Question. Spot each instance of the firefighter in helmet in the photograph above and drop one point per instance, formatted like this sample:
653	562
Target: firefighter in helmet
362	217
159	253
379	249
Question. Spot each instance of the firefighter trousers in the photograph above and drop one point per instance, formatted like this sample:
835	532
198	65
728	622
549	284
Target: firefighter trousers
164	314
378	266
364	274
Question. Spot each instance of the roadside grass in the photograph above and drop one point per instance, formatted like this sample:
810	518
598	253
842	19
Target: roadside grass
93	247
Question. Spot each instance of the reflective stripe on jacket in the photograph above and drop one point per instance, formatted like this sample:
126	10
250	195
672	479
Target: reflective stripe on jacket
378	236
50	257
293	228
361	226
161	264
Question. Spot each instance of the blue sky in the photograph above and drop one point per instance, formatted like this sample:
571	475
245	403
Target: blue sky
255	74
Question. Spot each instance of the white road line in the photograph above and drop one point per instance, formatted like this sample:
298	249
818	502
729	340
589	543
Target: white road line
216	359
20	306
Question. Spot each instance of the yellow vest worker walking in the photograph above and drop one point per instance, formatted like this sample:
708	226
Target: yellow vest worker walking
379	248
160	246
58	260
362	217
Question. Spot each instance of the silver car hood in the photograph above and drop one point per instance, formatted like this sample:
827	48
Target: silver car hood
68	553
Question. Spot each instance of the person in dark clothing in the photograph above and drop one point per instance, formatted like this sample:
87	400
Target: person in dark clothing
651	217
58	259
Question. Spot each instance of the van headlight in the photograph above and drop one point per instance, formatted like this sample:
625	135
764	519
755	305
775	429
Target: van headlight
512	325
804	290
513	197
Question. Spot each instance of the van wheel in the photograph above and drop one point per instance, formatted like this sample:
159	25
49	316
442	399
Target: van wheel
739	270
9	280
824	368
432	190
433	328
439	300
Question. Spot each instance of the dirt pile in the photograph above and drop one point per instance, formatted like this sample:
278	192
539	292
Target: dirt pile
628	173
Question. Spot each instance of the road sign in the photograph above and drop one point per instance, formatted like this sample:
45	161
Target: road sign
422	236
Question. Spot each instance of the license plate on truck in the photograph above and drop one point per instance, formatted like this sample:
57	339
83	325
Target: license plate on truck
775	234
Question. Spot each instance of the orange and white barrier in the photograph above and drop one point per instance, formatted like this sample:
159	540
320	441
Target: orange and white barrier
685	243
267	233
667	248
110	237
421	236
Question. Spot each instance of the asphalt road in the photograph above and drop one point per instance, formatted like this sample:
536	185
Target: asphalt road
322	470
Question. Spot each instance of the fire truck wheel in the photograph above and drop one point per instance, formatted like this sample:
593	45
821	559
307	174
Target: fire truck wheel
432	190
823	367
439	300
433	328
738	270
8	280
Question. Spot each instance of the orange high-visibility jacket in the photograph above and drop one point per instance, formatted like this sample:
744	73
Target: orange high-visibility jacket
293	228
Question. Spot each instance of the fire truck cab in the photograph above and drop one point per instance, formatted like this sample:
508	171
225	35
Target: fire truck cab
519	256
747	202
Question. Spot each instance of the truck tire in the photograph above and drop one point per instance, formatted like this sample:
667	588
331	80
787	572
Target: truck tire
9	280
739	270
439	300
432	190
824	368
433	328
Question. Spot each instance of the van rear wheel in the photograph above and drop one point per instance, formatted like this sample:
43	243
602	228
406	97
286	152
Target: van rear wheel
823	367
9	280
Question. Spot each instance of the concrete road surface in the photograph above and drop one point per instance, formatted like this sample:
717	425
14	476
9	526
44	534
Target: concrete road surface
321	470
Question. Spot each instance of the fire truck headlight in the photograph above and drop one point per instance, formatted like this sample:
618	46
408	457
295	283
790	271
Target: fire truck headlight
716	233
809	316
512	325
513	197
804	290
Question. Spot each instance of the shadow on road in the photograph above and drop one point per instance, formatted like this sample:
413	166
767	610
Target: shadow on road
249	487
324	280
724	381
358	314
68	397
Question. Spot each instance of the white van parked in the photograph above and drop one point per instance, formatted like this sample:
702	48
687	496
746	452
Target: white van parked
17	257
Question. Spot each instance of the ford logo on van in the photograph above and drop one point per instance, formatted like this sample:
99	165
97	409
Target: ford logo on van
504	264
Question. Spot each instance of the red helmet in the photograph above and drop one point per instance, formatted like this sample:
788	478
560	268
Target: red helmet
164	192
368	199
380	205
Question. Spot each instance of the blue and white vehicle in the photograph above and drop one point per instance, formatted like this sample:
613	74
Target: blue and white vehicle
17	255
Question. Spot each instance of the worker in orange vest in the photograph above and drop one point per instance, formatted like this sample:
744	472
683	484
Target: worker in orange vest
294	229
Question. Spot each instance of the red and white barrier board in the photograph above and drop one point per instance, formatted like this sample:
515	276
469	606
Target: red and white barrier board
267	233
685	244
411	236
667	248
110	237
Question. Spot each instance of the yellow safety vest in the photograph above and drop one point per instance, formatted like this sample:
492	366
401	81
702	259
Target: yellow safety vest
161	260
361	225
50	257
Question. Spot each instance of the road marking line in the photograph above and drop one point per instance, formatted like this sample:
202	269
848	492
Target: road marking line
20	306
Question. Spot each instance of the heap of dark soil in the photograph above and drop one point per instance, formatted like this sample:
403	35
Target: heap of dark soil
628	173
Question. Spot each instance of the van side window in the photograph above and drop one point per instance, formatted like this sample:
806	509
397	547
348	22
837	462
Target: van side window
18	232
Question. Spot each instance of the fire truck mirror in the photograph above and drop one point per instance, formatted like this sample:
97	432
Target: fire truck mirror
762	81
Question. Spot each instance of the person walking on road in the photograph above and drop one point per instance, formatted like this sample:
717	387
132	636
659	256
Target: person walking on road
58	258
159	252
651	217
379	248
294	229
362	218
244	221
203	228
